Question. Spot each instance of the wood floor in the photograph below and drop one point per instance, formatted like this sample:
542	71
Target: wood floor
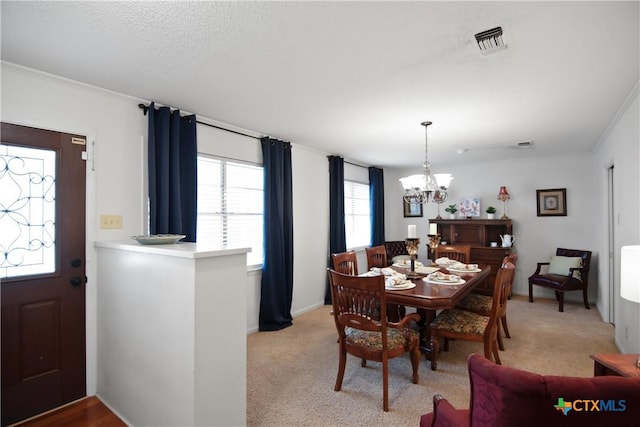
87	412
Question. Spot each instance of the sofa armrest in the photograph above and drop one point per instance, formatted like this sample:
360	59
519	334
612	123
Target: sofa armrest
444	414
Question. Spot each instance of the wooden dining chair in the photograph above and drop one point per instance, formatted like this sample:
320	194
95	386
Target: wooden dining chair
461	253
468	326
481	304
376	256
345	262
354	300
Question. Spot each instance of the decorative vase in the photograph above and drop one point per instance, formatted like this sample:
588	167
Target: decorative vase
452	216
491	216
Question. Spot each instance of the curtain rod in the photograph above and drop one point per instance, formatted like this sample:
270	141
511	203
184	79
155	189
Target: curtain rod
145	108
355	164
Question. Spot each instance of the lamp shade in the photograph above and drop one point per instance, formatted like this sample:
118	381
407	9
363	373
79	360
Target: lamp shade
630	273
503	194
443	179
413	181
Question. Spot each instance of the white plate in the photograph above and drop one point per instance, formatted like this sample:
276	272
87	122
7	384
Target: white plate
401	287
407	264
159	239
444	282
455	270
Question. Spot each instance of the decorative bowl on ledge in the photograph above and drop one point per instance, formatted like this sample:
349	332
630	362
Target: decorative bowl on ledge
159	239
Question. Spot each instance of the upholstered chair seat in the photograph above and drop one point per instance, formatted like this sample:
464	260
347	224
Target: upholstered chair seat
461	322
396	338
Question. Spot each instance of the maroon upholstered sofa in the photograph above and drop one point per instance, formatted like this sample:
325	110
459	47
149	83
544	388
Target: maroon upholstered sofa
503	396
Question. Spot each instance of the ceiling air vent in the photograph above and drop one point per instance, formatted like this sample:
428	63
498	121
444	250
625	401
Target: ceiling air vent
490	41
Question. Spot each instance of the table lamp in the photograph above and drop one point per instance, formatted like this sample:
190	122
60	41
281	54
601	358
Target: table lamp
630	276
504	196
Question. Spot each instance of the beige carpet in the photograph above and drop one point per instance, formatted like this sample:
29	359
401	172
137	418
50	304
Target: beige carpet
291	373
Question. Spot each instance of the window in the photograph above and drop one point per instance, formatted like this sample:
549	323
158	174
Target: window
230	205
357	214
28	216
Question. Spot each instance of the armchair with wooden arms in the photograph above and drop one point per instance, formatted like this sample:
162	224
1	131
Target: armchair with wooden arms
355	299
568	270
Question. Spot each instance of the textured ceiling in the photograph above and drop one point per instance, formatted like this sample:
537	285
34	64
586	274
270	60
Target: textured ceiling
354	78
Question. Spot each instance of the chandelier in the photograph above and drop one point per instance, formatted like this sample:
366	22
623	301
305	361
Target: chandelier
422	187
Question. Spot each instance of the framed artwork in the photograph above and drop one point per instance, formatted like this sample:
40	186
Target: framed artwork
470	207
412	209
552	202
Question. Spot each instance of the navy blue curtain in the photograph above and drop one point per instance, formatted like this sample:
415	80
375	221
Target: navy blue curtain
376	200
276	291
337	234
173	173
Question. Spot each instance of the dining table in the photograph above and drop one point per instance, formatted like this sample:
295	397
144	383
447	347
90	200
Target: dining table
429	297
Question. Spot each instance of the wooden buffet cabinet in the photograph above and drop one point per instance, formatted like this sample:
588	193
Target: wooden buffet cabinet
479	233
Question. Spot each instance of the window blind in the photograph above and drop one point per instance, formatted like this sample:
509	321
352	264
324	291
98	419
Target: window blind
230	205
357	214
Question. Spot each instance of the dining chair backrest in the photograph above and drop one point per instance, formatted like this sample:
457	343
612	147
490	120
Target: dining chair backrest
511	258
461	253
345	263
501	292
355	299
377	256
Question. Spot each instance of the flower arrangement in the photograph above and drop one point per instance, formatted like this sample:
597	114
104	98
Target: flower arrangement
451	209
491	210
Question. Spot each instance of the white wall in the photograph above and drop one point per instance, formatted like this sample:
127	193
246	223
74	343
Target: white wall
536	237
620	149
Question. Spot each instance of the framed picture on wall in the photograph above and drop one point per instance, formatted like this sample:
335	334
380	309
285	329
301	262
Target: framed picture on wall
552	202
412	209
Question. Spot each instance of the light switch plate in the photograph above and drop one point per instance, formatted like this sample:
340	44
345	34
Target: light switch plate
111	222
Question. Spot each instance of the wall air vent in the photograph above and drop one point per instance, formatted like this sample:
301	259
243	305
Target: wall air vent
525	144
490	41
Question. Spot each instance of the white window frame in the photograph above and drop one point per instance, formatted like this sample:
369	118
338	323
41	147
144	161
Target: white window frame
257	249
354	220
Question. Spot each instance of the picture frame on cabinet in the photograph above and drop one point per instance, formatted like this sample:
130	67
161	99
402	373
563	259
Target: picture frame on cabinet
552	202
412	210
470	207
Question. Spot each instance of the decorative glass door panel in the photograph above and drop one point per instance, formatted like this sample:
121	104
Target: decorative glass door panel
27	211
